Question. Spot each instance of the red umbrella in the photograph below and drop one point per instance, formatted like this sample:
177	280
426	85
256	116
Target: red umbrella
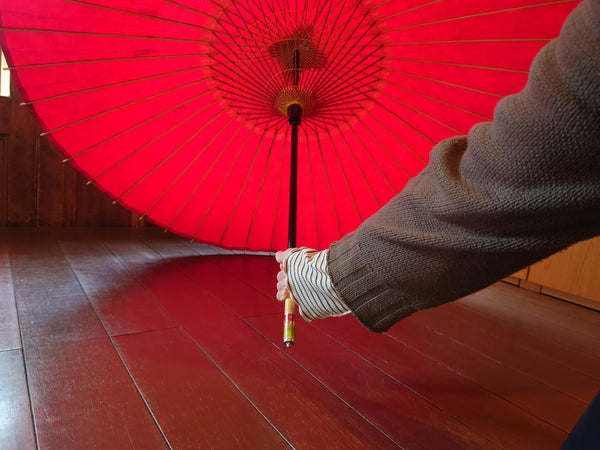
178	109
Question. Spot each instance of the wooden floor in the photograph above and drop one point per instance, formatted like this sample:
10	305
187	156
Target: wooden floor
114	340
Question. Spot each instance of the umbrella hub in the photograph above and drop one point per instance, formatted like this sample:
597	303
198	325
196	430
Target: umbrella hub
295	95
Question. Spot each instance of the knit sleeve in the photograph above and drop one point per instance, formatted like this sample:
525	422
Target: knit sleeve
488	204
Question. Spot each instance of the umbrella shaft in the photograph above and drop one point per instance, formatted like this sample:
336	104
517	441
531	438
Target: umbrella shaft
293	186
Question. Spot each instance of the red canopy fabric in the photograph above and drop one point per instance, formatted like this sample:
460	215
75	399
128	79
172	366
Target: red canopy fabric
176	109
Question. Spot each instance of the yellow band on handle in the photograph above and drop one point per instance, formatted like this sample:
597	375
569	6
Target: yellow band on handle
289	324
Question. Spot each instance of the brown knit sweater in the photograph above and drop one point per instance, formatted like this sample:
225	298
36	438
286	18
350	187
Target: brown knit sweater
510	193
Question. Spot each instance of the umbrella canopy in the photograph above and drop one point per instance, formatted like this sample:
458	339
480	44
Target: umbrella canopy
177	109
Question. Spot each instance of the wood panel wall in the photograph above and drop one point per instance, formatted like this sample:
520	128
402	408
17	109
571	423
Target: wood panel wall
37	188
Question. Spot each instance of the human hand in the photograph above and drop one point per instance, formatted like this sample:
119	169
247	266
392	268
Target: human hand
282	286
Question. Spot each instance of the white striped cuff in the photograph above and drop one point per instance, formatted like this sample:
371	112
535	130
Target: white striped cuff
310	286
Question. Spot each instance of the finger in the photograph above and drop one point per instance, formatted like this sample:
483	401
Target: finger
282	256
282	295
281	285
281	275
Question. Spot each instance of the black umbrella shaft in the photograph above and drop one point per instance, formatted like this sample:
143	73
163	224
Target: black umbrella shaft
293	185
294	113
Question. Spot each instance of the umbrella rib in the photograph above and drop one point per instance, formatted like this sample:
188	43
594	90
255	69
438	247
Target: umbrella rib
435	80
250	88
373	160
313	79
372	133
417	110
241	190
251	61
253	37
405	11
109	35
287	132
393	133
337	219
100	114
104	60
108	86
454	64
362	173
479	116
481	14
137	14
224	179
412	127
214	162
262	185
147	144
468	41
312	185
337	157
170	155
121	133
190	164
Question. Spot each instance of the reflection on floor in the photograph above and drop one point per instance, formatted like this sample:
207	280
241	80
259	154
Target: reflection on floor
111	339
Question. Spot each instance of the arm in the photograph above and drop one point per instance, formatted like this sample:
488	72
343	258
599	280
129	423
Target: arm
510	193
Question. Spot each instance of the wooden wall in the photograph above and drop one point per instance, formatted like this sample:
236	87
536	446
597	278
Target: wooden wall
37	188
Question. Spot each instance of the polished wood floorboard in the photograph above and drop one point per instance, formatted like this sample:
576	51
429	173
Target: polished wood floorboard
120	338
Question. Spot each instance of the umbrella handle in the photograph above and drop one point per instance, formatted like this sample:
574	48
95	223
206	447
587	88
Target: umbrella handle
289	324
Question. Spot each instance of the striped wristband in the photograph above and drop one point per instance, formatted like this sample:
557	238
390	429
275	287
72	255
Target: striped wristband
310	286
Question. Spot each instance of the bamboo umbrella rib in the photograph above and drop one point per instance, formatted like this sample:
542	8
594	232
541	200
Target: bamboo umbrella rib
103	35
435	80
223	182
468	41
139	124
405	11
333	26
313	79
187	167
138	14
241	32
322	89
135	102
479	116
481	14
335	214
206	173
149	143
393	133
454	64
253	38
362	173
337	157
312	186
105	60
170	155
384	147
189	8
112	85
241	190
262	185
397	116
419	111
375	163
268	82
232	79
349	68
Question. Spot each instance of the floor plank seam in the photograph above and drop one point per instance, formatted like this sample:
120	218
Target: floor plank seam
186	333
366	360
23	351
324	384
131	377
